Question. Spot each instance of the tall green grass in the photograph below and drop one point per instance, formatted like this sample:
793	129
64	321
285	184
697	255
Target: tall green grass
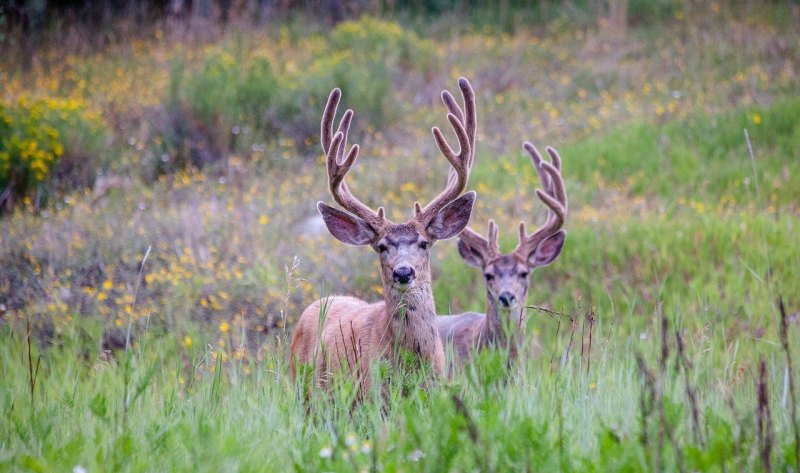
703	157
162	405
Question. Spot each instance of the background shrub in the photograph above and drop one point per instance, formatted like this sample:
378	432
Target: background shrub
228	92
366	58
42	137
230	102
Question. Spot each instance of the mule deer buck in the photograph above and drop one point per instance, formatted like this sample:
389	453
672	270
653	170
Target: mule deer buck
507	276
347	333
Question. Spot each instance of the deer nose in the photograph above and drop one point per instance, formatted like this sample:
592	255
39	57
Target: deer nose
403	275
507	299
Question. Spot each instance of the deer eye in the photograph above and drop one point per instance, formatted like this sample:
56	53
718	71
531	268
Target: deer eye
523	275
423	245
382	248
488	276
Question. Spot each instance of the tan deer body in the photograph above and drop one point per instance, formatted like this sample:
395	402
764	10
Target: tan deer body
355	333
345	333
507	276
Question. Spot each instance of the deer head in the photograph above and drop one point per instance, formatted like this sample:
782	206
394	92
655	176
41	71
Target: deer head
507	276
403	248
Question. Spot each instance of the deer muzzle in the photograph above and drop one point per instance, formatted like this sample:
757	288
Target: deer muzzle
403	275
506	299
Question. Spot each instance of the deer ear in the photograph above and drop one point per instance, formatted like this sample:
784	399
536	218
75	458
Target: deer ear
469	254
346	228
547	250
452	218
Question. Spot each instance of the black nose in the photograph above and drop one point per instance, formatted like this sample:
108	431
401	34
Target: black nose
507	299
403	275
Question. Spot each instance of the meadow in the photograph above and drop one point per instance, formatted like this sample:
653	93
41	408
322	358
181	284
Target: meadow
159	238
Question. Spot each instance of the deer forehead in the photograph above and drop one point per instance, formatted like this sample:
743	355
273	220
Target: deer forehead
403	234
506	265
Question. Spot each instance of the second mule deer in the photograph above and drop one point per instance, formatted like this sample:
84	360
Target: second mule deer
355	333
507	276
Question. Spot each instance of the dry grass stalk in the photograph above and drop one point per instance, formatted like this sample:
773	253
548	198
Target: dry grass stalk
33	373
135	296
790	380
547	311
472	429
573	326
763	418
737	448
555	345
590	318
654	386
291	286
683	363
646	399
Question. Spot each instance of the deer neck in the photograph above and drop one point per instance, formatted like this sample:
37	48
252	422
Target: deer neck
502	325
409	321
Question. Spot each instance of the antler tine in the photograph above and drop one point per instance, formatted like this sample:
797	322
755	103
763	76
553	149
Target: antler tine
554	196
536	157
452	105
470	113
328	116
469	119
493	232
487	247
326	128
544	179
464	124
557	190
475	240
339	167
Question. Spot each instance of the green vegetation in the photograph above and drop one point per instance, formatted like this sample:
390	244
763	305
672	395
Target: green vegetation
235	99
34	134
703	156
202	155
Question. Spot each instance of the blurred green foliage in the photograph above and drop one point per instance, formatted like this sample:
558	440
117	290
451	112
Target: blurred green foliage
37	135
233	102
702	156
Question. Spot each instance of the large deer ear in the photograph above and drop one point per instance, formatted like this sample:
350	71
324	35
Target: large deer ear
452	218
548	250
346	228
472	256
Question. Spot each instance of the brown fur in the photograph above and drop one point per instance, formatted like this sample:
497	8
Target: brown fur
507	276
499	326
344	333
355	333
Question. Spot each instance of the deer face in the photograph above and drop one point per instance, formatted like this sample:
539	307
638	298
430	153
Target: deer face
507	277
403	249
507	280
404	255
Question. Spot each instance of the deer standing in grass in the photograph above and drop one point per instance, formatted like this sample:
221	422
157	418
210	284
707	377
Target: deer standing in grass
507	276
343	332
